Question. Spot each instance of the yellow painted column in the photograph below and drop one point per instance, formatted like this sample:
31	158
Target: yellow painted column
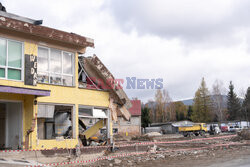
76	122
111	132
30	131
30	48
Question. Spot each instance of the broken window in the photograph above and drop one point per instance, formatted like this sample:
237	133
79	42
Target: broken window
91	112
84	80
54	121
55	66
82	76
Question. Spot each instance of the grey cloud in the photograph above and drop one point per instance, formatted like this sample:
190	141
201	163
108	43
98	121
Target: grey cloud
182	19
208	38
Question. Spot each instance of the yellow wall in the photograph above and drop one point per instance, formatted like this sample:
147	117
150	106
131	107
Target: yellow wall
59	94
27	103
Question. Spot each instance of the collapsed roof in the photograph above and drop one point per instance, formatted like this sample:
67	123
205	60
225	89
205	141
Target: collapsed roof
119	101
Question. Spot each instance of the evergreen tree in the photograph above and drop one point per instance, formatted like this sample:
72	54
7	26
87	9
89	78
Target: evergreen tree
246	106
233	104
189	112
202	104
145	117
180	111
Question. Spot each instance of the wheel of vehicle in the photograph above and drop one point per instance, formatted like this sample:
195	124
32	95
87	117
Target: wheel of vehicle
191	134
185	134
202	133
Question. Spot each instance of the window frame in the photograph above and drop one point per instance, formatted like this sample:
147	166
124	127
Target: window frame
84	107
92	109
6	67
62	74
73	118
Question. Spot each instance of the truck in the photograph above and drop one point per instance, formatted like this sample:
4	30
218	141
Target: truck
194	129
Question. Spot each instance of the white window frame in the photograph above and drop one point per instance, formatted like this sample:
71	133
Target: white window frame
55	73
6	67
85	107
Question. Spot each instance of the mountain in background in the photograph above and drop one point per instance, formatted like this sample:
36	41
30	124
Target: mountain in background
189	102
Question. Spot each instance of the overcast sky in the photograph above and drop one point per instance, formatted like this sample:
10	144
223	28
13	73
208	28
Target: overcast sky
180	41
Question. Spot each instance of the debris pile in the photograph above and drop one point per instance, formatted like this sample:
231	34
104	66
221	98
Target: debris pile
245	134
157	155
153	134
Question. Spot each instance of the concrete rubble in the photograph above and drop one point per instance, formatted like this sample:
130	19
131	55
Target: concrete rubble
176	152
156	153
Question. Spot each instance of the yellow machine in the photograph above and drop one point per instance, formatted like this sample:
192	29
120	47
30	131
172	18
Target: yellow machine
94	129
195	129
90	132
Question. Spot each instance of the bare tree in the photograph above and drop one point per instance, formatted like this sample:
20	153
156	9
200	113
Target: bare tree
219	108
164	106
160	108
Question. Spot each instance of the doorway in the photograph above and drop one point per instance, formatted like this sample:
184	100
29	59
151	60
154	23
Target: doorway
10	125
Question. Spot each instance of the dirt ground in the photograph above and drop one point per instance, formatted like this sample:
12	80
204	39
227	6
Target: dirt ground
195	154
215	158
167	150
236	156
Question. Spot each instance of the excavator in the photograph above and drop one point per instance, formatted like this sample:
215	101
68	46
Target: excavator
86	135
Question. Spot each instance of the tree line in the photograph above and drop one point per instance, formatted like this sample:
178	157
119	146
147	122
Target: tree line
208	106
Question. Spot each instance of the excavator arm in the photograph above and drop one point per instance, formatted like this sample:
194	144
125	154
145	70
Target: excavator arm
93	129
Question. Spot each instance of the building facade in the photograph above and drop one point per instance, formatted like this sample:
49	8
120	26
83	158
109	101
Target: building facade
40	97
133	126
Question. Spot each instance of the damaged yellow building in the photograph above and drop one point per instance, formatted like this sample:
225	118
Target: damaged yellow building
43	90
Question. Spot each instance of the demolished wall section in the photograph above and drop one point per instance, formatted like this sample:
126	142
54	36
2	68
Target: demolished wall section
119	102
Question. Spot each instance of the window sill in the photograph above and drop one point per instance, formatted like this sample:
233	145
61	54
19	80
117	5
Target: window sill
93	89
56	85
11	80
47	140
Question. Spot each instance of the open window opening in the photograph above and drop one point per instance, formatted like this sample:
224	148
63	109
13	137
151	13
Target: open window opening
90	115
55	121
93	119
83	78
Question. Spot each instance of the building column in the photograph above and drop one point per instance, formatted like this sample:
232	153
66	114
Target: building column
109	127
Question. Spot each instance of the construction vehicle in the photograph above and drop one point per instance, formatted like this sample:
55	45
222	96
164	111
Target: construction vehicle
194	129
87	136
